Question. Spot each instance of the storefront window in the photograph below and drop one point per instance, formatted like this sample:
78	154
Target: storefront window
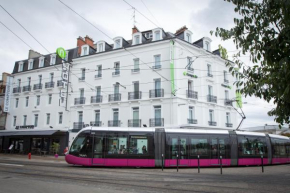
36	143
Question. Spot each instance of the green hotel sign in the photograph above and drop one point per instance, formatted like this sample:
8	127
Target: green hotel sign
61	52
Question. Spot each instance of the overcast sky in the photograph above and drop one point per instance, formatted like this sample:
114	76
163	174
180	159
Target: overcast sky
54	25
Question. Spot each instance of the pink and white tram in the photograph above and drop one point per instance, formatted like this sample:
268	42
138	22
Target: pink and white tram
152	147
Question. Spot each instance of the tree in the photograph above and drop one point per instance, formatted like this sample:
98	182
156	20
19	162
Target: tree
263	31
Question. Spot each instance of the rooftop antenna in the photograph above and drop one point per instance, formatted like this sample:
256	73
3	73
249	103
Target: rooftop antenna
134	17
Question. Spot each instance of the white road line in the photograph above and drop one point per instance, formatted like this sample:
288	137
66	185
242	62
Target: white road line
11	165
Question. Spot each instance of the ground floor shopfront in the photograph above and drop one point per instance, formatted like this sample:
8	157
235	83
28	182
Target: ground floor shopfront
35	142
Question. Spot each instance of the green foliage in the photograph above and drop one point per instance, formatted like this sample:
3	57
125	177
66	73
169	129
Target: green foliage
224	52
263	31
55	147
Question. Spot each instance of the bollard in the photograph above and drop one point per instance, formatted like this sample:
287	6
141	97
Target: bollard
29	156
262	161
221	164
198	164
177	162
162	162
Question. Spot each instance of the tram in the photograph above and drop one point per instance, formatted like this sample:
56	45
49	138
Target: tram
157	147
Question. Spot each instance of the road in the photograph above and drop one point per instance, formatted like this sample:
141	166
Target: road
39	176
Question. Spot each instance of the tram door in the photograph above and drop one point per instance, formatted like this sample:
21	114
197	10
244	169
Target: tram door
98	143
218	148
178	149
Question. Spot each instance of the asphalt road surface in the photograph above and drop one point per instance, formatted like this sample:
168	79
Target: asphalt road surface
48	176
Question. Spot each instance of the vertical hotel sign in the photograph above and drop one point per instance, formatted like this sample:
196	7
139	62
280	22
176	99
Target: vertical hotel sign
64	73
172	67
8	93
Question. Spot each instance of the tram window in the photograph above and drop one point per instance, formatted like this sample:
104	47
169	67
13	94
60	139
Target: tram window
215	147
252	146
117	145
138	144
98	144
78	144
199	146
279	149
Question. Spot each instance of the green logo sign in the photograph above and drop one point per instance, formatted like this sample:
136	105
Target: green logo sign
61	52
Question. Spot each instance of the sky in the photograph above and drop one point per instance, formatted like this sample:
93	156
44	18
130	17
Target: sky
54	25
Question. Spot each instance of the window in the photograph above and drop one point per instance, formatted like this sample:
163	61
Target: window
29	81
47	118
207	46
117	68
30	64
157	115
99	68
116	89
26	101
136	117
280	148
19	83
98	93
24	119
52	59
226	94
199	146
14	120
82	93
148	35
117	44
210	90
80	116
157	35
39	79
187	37
136	64
190	87
250	146
83	77
189	63
85	51
115	115
35	120
49	98
41	62
225	76
20	67
228	117
37	100
138	144
117	145
157	61
137	39
101	47
51	77
209	70
60	118
16	102
191	113
211	115
97	116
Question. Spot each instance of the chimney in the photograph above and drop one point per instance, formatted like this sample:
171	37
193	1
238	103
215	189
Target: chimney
181	30
134	29
89	41
80	43
33	54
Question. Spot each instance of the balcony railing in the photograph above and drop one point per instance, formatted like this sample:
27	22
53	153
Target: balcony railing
229	125
17	90
96	123
212	123
26	88
156	67
115	97
156	93
135	70
156	122
77	126
211	98
226	81
98	75
80	101
192	121
114	123
134	123
59	83
209	75
97	99
49	84
228	102
191	94
134	95
116	73
82	78
37	86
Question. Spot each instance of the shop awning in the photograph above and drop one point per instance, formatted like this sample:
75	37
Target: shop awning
6	133
31	133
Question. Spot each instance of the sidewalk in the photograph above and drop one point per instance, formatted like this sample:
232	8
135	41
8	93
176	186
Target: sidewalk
34	158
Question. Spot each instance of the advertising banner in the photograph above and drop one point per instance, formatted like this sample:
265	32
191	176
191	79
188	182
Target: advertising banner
8	94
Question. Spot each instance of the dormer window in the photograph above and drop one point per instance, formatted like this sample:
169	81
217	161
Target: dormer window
157	35
30	64
41	62
20	67
207	46
137	39
52	59
117	44
206	43
101	46
187	36
85	50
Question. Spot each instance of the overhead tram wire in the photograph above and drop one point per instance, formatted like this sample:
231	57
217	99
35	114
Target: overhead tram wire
149	11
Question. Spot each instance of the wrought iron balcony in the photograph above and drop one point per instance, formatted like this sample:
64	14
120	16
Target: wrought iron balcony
209	74
80	101
212	123
96	123
114	123
156	67
156	93
59	83
37	86
116	73
192	121
135	70
82	78
77	126
228	102
226	81
49	84
99	75
191	94
115	97
229	125
97	99
156	122
134	95
211	98
17	90
26	88
134	123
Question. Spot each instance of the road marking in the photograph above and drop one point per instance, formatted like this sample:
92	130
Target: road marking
11	165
